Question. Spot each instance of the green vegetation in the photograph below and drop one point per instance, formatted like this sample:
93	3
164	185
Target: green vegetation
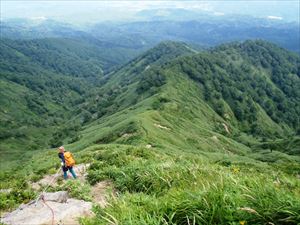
156	186
17	194
185	138
247	78
42	81
159	188
76	189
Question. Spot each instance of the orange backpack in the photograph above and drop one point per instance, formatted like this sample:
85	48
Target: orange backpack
69	160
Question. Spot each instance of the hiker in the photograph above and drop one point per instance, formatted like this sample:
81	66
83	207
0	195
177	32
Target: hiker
67	162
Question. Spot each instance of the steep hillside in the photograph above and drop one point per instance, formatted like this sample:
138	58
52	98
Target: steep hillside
73	57
192	102
44	83
183	139
240	95
249	77
118	89
41	82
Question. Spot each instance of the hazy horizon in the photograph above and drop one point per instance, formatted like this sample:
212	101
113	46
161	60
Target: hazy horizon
81	12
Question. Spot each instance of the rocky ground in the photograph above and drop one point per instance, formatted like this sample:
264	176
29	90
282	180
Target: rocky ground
58	207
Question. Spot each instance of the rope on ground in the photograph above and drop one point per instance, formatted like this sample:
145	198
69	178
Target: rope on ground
41	194
52	211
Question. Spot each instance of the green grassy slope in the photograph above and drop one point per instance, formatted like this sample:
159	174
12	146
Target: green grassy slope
162	140
39	98
165	186
174	163
188	102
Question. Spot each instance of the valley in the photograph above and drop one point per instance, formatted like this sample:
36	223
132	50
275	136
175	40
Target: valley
173	122
198	111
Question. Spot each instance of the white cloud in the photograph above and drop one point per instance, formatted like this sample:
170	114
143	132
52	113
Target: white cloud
142	5
274	17
219	14
38	18
101	10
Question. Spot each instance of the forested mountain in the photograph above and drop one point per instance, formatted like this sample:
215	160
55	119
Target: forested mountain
46	82
249	77
172	125
251	88
164	112
41	81
117	92
79	57
247	92
65	56
206	32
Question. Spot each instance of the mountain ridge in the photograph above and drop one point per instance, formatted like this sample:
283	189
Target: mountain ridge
173	126
224	81
151	84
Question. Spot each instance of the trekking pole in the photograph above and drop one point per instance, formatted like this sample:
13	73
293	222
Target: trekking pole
41	194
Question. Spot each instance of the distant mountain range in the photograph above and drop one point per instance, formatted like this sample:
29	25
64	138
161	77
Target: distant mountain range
154	26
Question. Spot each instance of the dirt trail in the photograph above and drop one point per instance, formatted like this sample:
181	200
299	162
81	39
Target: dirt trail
162	127
226	128
99	192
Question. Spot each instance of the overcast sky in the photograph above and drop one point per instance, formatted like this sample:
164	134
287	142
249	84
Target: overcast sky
95	11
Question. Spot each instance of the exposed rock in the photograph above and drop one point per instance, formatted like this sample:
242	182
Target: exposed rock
148	146
81	171
162	127
60	196
66	211
51	180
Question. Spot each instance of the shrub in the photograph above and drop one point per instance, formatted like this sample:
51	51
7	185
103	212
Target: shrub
76	189
156	188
